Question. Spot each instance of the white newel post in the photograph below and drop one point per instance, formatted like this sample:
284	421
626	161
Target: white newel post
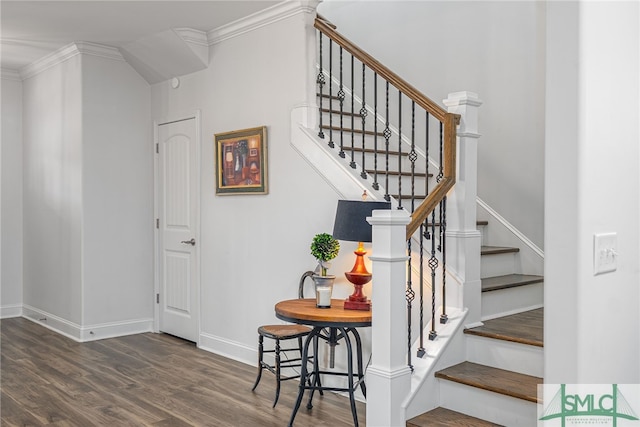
388	376
463	236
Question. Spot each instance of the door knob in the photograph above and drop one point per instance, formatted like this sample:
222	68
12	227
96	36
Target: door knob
191	242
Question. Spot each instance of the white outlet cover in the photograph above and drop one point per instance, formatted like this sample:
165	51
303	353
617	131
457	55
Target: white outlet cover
605	253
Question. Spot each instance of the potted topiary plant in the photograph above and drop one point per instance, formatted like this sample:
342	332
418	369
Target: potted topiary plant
324	248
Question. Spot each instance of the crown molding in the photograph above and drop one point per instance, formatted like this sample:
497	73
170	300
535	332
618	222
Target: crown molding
189	35
7	74
257	20
67	52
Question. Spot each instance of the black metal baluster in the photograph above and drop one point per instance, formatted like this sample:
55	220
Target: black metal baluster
410	296
387	135
399	150
353	127
442	211
433	265
424	234
341	99
363	114
413	156
320	81
331	143
440	173
421	350
426	178
375	185
443	243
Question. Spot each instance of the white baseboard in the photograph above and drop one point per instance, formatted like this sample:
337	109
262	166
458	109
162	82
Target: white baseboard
86	333
230	349
13	310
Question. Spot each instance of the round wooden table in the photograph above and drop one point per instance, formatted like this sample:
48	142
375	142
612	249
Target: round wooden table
341	323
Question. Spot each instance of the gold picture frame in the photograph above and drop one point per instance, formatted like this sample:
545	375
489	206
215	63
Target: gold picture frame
241	161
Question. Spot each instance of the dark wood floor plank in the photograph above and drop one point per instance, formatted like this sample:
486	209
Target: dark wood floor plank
524	328
141	380
508	383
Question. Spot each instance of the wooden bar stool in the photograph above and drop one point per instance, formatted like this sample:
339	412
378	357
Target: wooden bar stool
280	333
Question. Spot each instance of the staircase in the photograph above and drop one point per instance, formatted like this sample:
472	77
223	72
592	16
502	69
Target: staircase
497	383
502	360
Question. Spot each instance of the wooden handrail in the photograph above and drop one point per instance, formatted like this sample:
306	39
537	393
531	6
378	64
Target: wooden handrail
449	120
434	109
448	179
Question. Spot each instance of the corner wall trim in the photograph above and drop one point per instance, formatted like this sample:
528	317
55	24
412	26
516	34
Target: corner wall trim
86	333
10	310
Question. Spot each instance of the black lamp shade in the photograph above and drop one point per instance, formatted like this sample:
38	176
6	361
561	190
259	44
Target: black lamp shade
351	219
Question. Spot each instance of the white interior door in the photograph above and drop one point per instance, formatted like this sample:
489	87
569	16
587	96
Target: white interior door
178	229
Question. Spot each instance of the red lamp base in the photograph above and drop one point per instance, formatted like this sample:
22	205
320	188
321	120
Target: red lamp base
357	305
359	276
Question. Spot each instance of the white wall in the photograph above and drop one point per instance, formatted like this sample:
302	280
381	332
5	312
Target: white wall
592	186
88	195
254	247
117	199
11	191
495	49
53	190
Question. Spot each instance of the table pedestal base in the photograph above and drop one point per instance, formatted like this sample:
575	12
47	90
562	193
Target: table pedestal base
311	380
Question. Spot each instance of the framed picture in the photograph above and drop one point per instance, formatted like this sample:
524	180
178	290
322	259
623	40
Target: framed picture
241	161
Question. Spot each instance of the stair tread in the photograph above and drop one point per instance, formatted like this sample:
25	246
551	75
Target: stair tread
497	380
442	417
494	250
524	328
509	281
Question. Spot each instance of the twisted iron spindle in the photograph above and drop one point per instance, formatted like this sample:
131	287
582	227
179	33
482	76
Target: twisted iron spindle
331	143
387	135
399	150
363	115
443	243
376	185
433	265
353	134
320	81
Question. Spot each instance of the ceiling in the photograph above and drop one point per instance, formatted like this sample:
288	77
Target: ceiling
32	29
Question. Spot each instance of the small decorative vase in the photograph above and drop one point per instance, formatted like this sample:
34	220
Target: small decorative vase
324	289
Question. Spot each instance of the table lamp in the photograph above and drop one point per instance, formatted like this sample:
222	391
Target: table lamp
351	225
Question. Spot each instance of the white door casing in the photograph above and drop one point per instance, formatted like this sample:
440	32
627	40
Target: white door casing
177	213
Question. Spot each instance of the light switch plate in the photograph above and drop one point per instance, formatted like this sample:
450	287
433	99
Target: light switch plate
605	253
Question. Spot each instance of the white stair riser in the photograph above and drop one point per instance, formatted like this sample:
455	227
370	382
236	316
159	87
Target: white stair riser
525	359
498	265
504	302
487	405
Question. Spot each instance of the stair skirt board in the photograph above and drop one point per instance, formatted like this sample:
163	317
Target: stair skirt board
526	359
446	350
487	405
508	301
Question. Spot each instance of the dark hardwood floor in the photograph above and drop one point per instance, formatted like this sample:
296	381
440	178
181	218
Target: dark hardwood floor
148	379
